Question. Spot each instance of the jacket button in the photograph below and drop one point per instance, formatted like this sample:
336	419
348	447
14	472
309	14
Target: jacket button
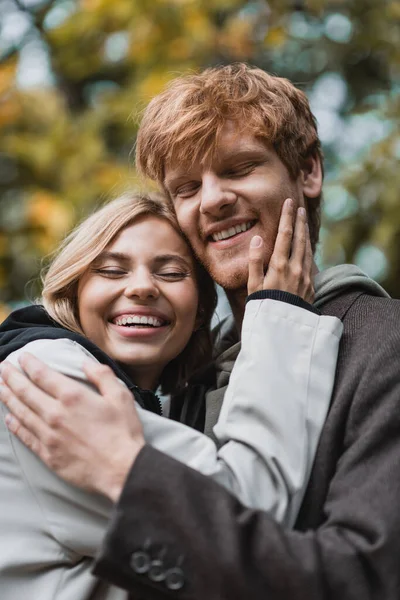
157	572
140	562
174	579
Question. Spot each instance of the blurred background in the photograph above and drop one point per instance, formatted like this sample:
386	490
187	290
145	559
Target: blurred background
75	74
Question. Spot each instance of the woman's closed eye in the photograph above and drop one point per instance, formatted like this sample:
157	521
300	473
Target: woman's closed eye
173	275
110	271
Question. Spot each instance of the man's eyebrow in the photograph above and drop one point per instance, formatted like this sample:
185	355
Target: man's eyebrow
174	179
239	154
244	152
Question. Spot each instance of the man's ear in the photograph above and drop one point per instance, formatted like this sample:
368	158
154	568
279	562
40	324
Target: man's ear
311	176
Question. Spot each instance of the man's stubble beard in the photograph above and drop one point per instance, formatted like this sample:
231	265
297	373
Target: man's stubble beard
235	278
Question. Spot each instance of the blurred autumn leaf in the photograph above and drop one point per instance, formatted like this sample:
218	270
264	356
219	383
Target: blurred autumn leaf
74	76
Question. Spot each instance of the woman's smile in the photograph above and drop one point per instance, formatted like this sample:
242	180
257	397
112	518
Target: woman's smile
140	323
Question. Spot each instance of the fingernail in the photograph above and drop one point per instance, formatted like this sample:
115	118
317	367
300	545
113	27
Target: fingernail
302	211
256	241
289	203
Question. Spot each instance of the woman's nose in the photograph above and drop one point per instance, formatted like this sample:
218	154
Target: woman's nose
141	284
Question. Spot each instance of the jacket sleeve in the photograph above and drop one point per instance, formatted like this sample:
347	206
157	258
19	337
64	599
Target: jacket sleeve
218	549
273	410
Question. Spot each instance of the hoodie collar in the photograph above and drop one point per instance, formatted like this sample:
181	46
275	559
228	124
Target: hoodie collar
341	279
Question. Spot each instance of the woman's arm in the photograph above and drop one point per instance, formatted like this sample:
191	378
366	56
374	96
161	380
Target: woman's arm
276	403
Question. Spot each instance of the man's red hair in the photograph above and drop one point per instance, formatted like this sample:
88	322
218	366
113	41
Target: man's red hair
184	122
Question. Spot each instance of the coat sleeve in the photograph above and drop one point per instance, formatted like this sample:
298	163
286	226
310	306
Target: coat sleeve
216	548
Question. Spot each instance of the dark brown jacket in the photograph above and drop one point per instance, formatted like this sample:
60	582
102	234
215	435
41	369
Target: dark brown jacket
346	544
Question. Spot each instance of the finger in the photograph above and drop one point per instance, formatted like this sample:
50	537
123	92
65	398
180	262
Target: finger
24	435
23	389
256	265
299	239
22	413
46	379
308	255
283	242
308	268
104	379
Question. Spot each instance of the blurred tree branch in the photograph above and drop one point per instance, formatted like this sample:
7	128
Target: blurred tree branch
66	138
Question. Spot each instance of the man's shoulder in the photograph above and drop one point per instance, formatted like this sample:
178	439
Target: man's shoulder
371	334
371	331
375	312
360	308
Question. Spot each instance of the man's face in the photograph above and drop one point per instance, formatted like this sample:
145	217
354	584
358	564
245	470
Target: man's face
222	204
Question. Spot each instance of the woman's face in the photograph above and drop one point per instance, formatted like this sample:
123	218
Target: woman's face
138	300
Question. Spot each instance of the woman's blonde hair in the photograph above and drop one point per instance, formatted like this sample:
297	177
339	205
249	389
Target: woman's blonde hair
82	246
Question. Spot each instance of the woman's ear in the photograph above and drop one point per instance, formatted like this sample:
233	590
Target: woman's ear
311	176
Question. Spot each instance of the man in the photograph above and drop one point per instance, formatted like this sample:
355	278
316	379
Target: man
228	146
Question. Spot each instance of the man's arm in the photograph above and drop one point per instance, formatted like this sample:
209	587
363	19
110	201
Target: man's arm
269	428
224	551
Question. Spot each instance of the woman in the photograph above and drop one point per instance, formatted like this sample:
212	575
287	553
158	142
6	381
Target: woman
125	290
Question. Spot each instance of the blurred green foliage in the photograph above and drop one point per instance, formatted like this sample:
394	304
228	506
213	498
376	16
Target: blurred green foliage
75	74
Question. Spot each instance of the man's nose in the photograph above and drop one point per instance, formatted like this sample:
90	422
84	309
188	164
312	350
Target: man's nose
141	285
216	197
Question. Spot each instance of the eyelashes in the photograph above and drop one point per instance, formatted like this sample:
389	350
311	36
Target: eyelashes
170	275
111	272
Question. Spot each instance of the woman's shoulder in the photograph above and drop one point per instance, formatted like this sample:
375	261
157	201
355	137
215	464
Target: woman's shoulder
62	354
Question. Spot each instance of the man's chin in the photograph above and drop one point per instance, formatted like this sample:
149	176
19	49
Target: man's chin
229	279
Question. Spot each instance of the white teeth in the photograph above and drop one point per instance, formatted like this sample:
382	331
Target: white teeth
227	233
139	320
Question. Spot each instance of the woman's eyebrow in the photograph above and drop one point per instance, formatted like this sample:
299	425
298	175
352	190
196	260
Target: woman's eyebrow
159	259
117	256
165	258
